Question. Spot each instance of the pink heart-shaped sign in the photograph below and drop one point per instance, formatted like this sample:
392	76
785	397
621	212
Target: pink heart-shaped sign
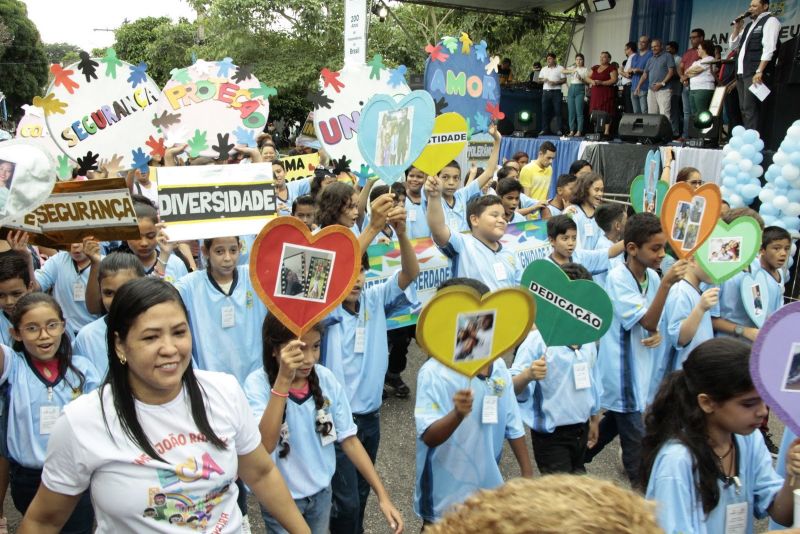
775	364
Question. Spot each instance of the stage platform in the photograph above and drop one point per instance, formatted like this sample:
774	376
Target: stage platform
619	163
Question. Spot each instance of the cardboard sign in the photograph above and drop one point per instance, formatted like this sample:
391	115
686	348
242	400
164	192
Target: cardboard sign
775	364
99	208
527	240
96	111
33	128
339	100
464	77
393	134
302	277
730	248
570	312
205	201
466	332
448	139
213	106
27	176
688	217
755	295
300	166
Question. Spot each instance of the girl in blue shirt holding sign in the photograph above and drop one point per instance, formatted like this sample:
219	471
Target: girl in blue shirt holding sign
703	462
44	376
303	411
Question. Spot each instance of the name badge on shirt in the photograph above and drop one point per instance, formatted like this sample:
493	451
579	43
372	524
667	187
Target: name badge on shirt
228	317
360	339
48	415
489	411
736	518
588	229
331	437
78	292
500	271
580	373
412	216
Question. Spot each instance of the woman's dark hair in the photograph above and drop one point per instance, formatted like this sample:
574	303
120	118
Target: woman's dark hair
685	173
273	335
708	46
120	261
64	352
144	208
132	300
577	165
576	271
332	201
208	243
579	55
718	368
519	155
585	182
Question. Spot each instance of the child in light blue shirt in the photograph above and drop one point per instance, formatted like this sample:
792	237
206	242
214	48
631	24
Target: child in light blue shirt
562	234
611	218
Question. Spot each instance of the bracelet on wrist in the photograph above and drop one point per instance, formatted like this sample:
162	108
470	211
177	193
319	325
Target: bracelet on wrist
279	394
162	262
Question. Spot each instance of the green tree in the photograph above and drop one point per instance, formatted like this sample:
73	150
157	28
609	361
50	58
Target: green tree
23	62
157	41
64	53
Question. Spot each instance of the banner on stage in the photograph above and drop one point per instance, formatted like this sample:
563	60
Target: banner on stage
715	16
297	167
209	201
75	210
527	239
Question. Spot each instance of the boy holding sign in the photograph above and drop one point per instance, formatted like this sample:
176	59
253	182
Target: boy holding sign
461	424
562	232
632	345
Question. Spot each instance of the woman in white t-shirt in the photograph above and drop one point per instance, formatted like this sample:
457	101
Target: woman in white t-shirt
159	444
578	74
701	78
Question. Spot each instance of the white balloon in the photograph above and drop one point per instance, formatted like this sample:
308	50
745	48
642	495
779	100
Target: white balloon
745	165
793	209
780	202
790	172
767	194
780	158
735	157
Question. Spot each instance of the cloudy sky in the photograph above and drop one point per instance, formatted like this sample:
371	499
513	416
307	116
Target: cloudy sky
76	22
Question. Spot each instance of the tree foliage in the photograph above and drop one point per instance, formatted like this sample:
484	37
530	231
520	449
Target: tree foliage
23	62
64	53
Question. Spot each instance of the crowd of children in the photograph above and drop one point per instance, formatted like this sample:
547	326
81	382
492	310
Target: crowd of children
669	378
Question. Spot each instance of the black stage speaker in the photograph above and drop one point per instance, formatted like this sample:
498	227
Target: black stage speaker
646	129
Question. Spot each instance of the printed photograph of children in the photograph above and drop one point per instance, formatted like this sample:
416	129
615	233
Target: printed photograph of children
791	380
698	207
474	335
393	145
758	303
692	230
724	249
681	221
305	273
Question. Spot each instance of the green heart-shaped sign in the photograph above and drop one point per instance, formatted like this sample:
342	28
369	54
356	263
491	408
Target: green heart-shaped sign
730	248
568	312
638	191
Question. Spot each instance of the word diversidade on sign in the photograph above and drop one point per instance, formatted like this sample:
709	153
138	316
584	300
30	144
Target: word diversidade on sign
576	311
214	202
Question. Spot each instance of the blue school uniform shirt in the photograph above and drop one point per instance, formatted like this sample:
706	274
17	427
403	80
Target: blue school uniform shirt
683	297
555	401
469	460
309	467
5	330
596	261
28	393
679	509
627	366
604	243
776	289
60	273
417	219
554	210
471	258
246	242
780	466
228	347
517	217
355	347
588	231
730	305
91	342
294	189
456	217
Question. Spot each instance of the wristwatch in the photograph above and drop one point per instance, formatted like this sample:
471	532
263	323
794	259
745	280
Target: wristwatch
738	330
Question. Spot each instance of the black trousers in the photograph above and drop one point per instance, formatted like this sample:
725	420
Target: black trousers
561	451
399	339
749	104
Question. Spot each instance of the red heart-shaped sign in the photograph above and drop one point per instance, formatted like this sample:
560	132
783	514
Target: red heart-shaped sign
302	277
689	216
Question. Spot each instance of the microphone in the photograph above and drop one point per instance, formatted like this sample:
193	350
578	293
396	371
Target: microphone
740	18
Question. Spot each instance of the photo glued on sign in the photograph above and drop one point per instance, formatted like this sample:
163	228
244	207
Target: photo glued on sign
98	208
579	313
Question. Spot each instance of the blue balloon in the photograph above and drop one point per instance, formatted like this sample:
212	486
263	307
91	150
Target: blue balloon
749	191
769	220
731	169
729	181
793	195
781	183
757	158
750	136
768	209
759	145
790	145
795	158
743	177
736	142
738	131
791	223
748	151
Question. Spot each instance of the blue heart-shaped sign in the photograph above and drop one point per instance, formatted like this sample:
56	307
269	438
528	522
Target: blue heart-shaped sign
392	135
755	295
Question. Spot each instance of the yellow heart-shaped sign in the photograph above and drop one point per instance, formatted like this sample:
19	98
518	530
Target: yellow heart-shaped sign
448	139
465	331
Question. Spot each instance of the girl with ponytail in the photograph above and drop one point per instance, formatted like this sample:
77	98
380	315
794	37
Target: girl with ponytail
701	460
303	411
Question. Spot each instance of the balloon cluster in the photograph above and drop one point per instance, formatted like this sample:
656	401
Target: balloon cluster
780	197
741	167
